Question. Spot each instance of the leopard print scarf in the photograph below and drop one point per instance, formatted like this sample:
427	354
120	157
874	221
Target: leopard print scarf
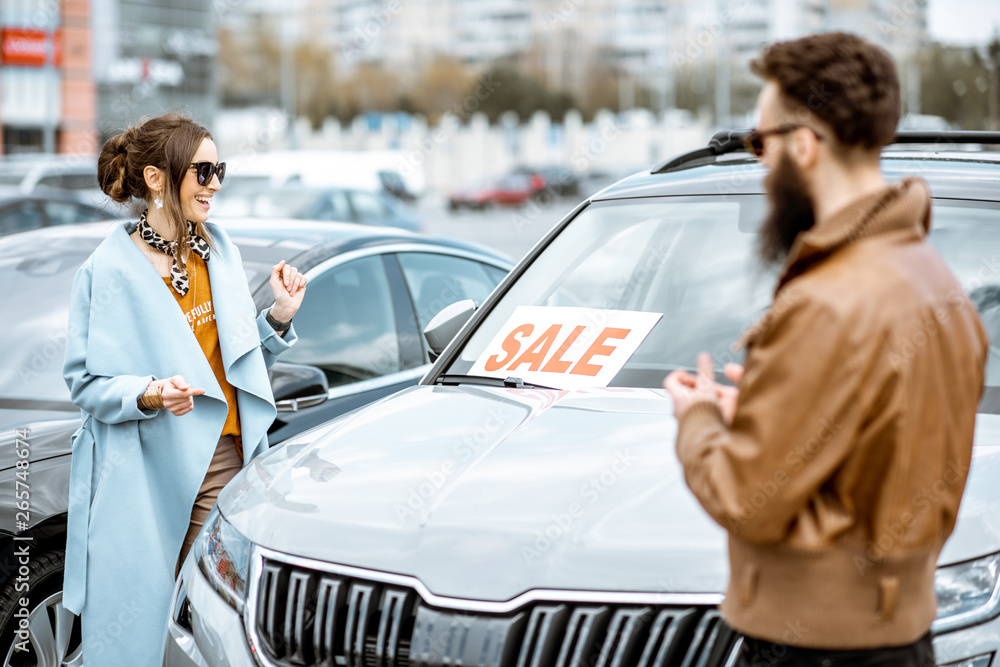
178	275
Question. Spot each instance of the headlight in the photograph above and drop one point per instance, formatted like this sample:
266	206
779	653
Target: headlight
967	593
224	557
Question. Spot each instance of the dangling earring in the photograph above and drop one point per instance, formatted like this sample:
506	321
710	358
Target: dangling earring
158	202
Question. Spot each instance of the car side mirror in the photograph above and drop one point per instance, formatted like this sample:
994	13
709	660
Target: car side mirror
443	326
297	386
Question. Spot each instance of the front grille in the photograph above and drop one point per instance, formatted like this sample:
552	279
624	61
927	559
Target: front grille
306	617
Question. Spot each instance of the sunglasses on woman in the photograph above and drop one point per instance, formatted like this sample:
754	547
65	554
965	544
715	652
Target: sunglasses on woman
753	142
206	170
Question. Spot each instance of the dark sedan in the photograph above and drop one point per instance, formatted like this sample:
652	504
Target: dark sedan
371	292
49	208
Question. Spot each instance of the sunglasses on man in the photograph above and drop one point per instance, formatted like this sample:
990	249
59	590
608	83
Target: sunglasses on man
753	142
205	171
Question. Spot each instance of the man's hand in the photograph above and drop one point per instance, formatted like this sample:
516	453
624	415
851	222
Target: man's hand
729	396
687	389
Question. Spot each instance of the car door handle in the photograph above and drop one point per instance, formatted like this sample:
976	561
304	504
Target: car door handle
294	404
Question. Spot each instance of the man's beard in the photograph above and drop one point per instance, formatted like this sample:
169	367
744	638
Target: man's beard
790	211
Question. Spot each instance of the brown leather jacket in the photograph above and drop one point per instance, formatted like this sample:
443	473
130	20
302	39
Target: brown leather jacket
840	477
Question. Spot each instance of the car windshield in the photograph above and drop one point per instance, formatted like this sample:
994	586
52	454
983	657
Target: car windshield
690	263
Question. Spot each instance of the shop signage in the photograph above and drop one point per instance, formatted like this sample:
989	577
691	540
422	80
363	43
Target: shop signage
21	46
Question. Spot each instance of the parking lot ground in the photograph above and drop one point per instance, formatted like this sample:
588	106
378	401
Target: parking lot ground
512	230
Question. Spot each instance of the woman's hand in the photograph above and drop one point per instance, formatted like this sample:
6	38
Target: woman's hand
178	396
288	286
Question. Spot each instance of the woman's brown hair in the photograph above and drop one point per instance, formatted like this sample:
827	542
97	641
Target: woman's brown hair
167	142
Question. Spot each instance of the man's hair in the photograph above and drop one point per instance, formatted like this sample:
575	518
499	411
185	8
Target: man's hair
848	83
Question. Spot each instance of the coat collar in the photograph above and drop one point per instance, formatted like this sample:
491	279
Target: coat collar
904	205
140	303
901	206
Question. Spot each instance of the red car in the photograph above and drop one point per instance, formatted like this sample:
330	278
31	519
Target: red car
510	190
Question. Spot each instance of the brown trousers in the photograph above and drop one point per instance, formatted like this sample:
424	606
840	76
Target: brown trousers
225	464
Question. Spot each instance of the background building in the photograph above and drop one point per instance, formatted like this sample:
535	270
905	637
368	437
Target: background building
154	56
648	45
47	101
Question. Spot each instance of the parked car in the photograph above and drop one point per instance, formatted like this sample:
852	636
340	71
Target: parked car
366	207
373	171
509	190
370	292
555	180
523	505
49	208
26	173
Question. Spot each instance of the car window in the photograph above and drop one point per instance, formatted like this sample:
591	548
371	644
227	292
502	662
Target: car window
368	208
68	213
495	274
346	324
436	281
334	206
20	218
69	180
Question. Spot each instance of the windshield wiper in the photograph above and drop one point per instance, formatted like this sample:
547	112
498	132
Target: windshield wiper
511	382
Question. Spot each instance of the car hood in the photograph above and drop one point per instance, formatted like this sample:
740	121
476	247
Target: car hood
485	493
537	488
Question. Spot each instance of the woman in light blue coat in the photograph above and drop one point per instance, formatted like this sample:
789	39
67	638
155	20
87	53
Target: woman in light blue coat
174	399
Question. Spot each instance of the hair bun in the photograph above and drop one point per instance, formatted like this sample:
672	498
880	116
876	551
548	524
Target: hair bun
112	166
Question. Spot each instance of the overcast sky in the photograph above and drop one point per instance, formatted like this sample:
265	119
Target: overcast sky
963	21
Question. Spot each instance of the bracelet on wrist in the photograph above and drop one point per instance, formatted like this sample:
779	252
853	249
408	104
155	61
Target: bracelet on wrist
152	398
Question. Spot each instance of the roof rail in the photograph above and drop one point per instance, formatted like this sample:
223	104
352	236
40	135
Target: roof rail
731	141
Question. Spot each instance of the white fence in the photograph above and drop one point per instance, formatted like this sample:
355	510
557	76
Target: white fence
452	152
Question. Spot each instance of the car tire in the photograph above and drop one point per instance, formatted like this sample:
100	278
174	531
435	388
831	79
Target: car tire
52	628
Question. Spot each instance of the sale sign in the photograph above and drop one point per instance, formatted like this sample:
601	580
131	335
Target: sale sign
564	348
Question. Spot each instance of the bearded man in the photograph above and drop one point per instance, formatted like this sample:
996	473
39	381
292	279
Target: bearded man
860	385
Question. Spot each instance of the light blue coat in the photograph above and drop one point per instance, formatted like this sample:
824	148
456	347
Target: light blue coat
136	473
